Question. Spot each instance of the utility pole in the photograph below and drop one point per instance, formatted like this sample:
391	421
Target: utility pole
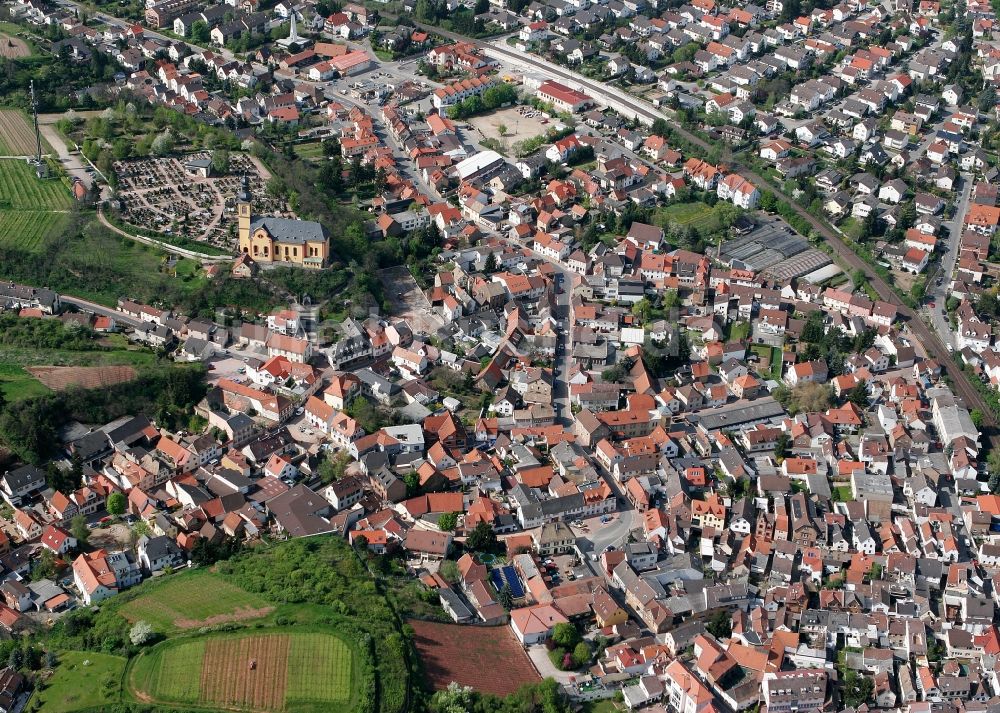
41	170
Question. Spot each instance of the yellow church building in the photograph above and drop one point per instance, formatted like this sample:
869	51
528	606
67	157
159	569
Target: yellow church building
283	241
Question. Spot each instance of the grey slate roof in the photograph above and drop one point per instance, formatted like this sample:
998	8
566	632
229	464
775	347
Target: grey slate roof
289	230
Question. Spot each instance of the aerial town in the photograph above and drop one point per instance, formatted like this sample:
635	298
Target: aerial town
637	352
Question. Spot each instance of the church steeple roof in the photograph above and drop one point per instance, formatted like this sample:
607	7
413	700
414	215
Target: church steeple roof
244	195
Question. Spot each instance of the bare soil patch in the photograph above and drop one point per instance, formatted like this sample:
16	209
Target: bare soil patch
241	614
518	125
59	378
12	47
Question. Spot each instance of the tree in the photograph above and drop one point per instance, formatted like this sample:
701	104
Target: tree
987	99
977	418
163	144
781	445
640	309
116	504
220	161
331	469
720	625
993	467
858	689
200	32
15	659
45	566
449	571
565	636
859	396
482	537
505	597
581	655
140	633
448	521
78	528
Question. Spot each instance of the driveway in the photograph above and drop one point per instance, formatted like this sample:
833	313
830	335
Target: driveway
539	656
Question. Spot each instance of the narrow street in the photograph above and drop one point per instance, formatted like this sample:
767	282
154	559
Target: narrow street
938	291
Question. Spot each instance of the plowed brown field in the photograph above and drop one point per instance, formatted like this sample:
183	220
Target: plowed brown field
487	658
58	378
227	679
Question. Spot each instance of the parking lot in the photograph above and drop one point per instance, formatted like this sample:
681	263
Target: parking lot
228	367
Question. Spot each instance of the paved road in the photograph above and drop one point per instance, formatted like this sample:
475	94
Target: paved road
166	247
88	306
614	533
939	293
72	162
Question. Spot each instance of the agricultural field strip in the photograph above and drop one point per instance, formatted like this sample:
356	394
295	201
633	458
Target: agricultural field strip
191	598
19	186
289	668
320	667
17	138
26	229
227	678
178	675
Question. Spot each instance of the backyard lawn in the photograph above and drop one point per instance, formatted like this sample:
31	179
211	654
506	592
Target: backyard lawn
738	331
83	680
768	354
685	213
843	494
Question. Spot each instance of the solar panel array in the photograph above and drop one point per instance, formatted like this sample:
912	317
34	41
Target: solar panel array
506	575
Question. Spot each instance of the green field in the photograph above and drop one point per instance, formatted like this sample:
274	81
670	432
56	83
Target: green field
27	229
194	597
319	670
21	190
19	356
315	675
16	383
172	672
83	680
30	210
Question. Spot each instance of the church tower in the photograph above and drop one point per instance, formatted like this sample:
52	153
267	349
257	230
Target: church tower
243	211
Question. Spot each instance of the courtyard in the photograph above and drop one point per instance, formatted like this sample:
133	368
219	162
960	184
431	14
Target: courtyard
519	123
